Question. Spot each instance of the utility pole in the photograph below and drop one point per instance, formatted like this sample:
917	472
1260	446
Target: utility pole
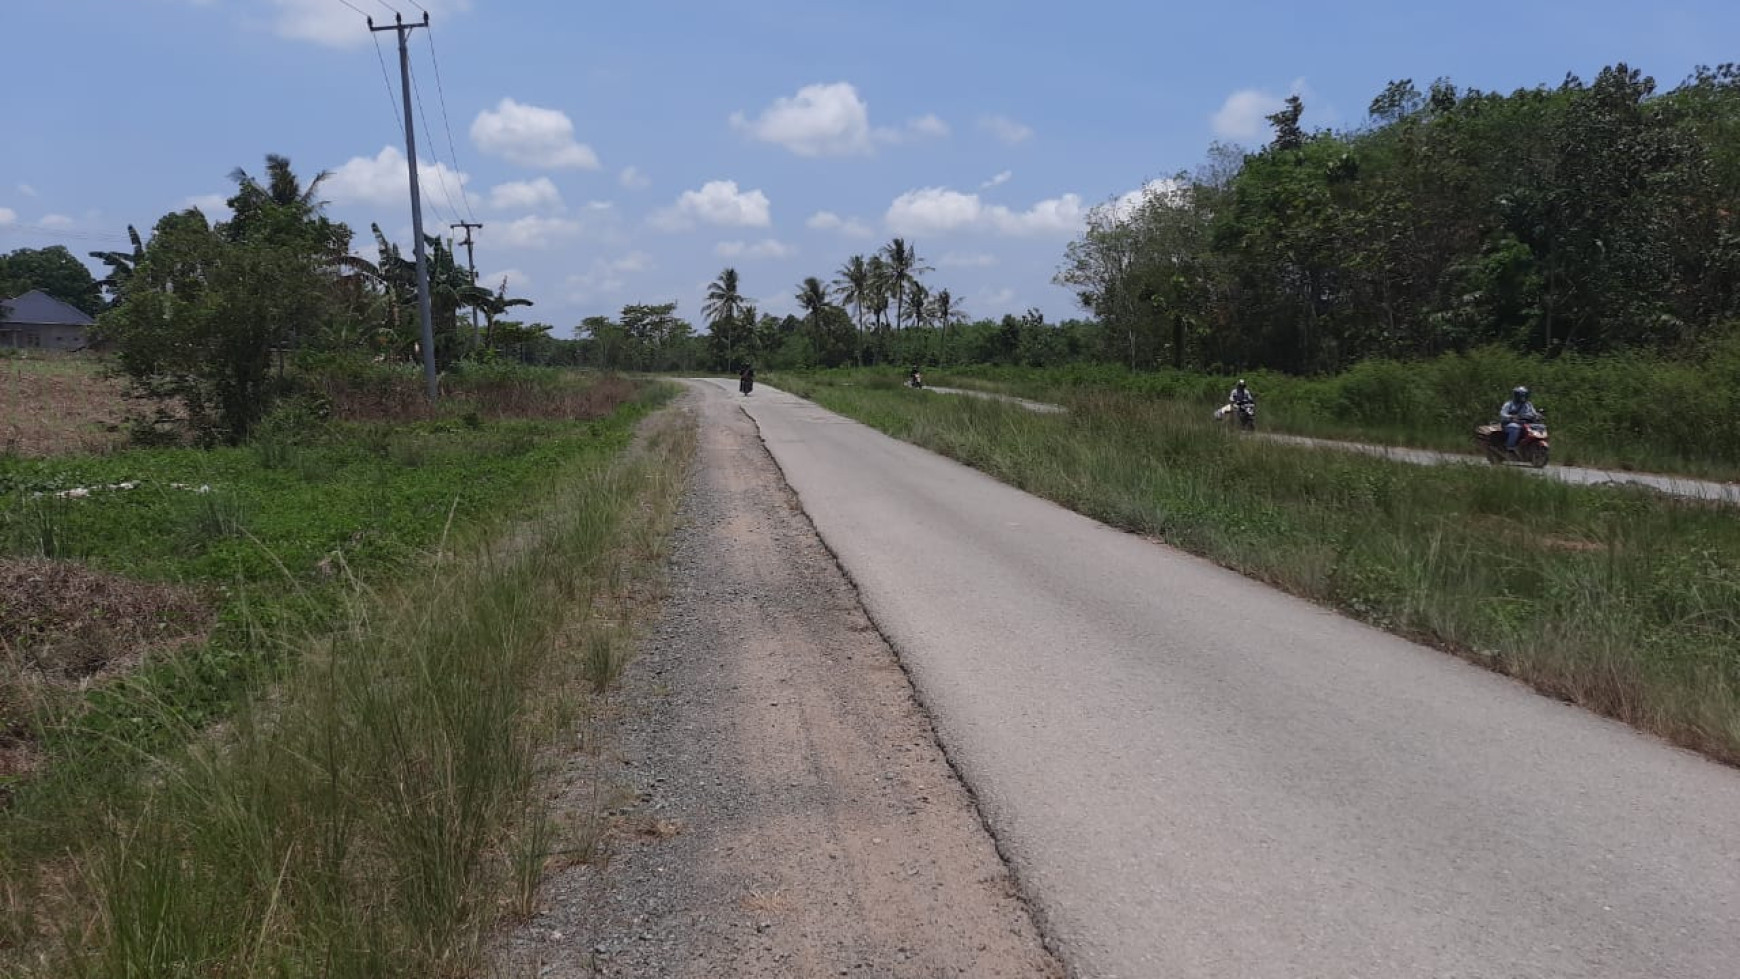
403	30
471	263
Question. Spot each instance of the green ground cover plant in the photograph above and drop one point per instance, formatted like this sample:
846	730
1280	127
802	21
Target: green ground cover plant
1620	600
365	802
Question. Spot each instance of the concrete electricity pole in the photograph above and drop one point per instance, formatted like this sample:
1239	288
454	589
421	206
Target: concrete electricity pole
403	30
470	263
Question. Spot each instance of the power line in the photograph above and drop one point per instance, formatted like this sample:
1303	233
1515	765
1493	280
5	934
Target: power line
446	122
354	7
440	175
385	78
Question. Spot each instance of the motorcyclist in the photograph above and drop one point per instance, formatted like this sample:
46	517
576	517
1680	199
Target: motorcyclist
1241	395
746	379
1516	413
914	379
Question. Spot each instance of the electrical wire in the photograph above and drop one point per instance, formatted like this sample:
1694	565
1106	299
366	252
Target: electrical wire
392	103
440	174
446	122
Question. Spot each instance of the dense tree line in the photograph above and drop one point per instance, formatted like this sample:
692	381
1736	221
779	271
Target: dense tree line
1587	217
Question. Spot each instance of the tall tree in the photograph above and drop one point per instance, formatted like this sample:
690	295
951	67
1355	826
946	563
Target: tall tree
53	270
903	269
120	265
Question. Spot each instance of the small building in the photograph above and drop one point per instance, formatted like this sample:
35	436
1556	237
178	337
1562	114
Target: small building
38	321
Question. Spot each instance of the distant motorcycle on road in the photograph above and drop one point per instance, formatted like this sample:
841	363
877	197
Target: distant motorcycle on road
1244	411
1532	447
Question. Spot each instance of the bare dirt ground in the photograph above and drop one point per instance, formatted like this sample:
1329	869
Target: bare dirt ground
777	802
58	403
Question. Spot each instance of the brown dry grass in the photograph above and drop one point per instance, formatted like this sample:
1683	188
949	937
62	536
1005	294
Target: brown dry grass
64	626
400	399
56	404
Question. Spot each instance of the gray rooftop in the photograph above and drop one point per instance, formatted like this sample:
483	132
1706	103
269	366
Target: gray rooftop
38	308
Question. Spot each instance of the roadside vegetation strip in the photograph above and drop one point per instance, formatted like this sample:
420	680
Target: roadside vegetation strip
1629	411
1619	600
367	818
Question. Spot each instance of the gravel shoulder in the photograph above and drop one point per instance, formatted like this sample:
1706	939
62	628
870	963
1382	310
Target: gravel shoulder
777	801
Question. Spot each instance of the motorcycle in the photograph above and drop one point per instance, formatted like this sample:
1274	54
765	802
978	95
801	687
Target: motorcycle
914	380
1531	448
745	383
1246	412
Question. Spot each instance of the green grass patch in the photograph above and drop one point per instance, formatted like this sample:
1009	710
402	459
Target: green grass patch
274	535
1617	599
1621	411
375	809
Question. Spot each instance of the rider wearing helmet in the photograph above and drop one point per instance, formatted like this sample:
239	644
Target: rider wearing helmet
1516	413
1241	395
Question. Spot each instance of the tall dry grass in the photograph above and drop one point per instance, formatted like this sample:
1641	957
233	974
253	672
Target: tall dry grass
369	816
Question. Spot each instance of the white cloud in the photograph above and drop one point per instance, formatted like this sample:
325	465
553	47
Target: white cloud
994	299
1242	115
1166	189
829	221
765	248
531	136
967	260
216	207
998	180
717	202
927	125
633	179
1006	129
56	221
27	190
516	280
380	180
7	216
606	277
534	232
332	24
539	194
820	120
938	210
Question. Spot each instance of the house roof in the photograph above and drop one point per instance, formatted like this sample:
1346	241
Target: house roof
38	308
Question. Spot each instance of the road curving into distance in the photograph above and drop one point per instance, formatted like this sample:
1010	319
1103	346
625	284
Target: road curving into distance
1194	775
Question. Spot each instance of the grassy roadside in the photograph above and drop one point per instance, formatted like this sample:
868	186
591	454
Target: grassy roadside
1630	413
374	814
1618	600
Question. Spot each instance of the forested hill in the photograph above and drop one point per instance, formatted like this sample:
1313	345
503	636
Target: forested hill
1585	217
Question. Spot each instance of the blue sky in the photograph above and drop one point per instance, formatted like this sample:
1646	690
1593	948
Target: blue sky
626	152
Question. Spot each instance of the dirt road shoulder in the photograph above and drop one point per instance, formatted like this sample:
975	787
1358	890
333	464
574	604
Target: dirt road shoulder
787	811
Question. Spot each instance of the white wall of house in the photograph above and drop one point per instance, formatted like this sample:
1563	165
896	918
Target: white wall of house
29	337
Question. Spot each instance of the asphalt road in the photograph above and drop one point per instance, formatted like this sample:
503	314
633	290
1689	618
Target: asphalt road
1194	775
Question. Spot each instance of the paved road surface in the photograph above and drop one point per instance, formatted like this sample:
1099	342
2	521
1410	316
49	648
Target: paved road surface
1696	489
1194	775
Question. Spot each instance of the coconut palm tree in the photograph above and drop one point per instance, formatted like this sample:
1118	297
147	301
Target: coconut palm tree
918	300
852	284
904	267
812	298
724	301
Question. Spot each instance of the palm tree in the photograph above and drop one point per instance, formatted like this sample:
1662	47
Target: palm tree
724	301
812	298
944	311
282	186
904	268
121	264
493	305
918	298
852	284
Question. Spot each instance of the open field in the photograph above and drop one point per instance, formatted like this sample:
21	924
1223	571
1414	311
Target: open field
54	404
1615	599
1618	412
387	767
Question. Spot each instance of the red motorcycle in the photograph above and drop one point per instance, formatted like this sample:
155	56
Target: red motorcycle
1531	447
